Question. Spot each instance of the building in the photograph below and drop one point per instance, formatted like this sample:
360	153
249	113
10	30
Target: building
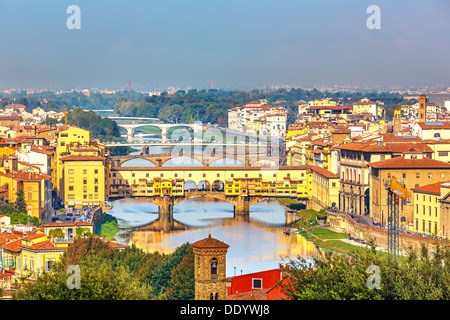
428	217
36	187
367	106
210	269
412	173
325	188
428	130
259	118
83	181
354	161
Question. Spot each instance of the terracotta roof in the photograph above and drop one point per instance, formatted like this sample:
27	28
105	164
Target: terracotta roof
324	172
401	162
6	237
12	246
434	125
44	245
431	188
209	243
81	158
26	176
67	224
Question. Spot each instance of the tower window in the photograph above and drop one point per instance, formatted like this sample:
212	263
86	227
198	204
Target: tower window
213	268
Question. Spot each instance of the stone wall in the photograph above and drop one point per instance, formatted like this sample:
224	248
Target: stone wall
378	235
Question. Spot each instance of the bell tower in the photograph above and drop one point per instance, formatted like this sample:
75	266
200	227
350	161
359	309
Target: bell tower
397	121
422	108
210	269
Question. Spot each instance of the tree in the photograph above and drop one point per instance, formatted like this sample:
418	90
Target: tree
333	276
181	285
20	203
98	281
56	233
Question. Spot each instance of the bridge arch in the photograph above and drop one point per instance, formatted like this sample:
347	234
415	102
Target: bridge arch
138	162
227	162
191	161
190	186
218	186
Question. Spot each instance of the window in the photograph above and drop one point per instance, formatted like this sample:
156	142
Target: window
443	153
95	171
417	175
70	179
71	196
84	181
70	188
96	181
404	175
84	171
70	171
214	263
95	189
256	283
30	196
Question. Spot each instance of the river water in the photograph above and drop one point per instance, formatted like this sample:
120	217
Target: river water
257	244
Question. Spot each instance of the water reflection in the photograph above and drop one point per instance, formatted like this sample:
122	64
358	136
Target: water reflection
255	245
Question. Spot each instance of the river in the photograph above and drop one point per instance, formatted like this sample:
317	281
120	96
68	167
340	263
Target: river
255	245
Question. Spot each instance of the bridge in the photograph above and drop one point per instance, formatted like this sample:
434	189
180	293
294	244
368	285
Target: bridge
206	159
165	221
164	127
195	182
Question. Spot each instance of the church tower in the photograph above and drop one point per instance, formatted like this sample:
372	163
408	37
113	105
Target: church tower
397	121
422	108
210	269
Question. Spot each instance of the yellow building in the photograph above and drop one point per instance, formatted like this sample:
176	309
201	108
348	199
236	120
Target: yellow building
325	188
83	181
36	189
428	218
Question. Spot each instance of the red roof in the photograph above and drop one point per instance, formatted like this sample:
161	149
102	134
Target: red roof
431	188
67	224
209	243
324	172
402	163
81	158
12	246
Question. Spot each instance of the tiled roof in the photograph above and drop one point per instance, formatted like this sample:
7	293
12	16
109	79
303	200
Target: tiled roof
81	158
431	188
209	243
12	246
324	172
67	224
401	162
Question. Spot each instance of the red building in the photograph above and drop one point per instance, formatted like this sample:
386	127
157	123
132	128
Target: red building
264	285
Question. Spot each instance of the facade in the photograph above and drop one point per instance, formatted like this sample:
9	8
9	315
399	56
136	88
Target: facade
83	181
412	173
366	106
325	188
428	216
210	269
258	118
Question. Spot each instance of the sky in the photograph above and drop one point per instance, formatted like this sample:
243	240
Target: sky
235	43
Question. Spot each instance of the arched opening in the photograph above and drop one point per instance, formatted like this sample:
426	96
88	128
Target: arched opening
149	129
180	133
214	268
138	163
227	162
218	186
182	162
204	185
190	186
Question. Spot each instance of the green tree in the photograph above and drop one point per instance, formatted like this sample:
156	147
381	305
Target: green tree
181	285
98	281
331	276
56	233
20	203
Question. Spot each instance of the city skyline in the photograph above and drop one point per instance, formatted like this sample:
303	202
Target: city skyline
236	45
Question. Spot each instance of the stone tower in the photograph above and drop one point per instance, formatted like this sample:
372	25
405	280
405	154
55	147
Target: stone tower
422	108
397	121
210	269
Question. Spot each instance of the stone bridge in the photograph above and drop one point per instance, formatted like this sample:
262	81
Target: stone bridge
166	222
205	159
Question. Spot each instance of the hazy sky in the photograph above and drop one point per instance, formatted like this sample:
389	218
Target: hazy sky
247	43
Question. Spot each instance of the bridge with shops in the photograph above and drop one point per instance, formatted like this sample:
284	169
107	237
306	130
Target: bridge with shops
196	182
